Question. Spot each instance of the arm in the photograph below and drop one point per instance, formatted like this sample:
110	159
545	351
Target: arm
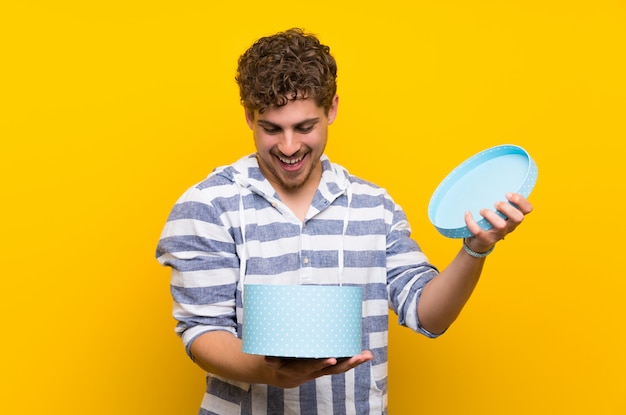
444	296
197	246
219	352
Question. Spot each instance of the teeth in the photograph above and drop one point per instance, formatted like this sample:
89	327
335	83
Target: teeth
290	161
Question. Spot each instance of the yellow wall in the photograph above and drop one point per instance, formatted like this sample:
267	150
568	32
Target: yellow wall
110	109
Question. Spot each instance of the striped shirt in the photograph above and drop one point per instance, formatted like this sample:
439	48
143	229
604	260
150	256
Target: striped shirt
232	229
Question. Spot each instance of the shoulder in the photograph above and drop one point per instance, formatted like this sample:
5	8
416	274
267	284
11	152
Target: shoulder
224	181
344	178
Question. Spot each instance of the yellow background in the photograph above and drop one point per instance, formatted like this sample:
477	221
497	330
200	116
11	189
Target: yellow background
111	109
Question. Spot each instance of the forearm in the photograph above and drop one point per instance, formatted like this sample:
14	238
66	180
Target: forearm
444	296
219	352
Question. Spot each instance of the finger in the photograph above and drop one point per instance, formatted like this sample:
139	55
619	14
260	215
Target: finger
520	202
511	213
313	365
471	224
321	364
362	357
343	365
497	222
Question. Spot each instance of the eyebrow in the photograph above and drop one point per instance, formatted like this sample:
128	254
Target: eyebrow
266	123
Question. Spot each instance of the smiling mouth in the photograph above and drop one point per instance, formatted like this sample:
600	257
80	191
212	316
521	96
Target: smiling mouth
290	161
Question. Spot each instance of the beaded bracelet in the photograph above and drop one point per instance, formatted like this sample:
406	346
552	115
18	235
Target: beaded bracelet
475	254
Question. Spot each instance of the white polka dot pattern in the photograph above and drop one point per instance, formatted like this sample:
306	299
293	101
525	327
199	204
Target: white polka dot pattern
309	321
479	182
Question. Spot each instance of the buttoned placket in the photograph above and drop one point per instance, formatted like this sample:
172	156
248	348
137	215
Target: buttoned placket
306	270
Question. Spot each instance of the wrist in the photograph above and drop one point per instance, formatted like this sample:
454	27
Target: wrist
477	252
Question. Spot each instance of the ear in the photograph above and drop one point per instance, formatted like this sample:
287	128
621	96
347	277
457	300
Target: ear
249	118
332	111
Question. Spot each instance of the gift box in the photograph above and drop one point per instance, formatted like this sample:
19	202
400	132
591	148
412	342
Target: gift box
302	321
479	182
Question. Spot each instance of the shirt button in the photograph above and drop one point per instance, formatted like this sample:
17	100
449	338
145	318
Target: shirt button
305	260
273	204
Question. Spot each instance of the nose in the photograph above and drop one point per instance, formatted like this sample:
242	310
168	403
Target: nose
289	144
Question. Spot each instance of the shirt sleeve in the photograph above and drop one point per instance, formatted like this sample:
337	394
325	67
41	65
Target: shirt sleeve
408	271
201	251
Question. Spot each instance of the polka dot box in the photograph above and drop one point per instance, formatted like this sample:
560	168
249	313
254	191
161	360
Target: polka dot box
305	321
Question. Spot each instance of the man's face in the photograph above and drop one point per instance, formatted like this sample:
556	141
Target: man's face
290	141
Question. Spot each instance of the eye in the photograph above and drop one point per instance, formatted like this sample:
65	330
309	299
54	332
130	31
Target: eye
305	129
271	130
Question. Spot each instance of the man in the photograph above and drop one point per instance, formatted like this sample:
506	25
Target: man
287	215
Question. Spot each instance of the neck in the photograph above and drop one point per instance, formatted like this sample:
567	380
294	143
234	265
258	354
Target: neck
299	199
